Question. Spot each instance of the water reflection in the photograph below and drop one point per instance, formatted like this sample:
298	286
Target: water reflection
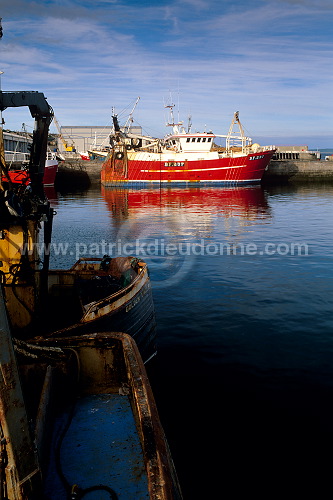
171	228
247	202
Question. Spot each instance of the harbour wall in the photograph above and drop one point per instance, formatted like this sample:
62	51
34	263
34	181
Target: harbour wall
76	174
298	171
93	169
79	173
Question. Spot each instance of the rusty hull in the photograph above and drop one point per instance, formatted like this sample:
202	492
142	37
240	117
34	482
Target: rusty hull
18	453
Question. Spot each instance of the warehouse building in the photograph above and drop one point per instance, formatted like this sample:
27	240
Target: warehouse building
79	139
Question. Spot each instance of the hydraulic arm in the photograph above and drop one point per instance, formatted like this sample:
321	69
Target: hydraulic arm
22	210
42	112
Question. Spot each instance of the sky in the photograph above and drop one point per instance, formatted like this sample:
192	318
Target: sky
271	60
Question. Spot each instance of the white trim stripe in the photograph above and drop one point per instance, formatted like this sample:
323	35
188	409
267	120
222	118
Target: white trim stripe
193	169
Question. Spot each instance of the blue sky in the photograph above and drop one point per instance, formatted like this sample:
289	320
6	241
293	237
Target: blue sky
271	60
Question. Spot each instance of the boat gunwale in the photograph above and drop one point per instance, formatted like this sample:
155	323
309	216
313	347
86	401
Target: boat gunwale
141	277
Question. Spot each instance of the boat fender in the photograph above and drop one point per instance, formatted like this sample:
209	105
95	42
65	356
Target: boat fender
127	277
119	155
134	263
13	204
136	143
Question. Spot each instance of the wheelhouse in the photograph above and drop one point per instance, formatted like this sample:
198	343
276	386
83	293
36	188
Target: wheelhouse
190	142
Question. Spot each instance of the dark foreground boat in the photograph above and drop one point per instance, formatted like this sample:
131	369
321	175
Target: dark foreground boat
82	420
101	294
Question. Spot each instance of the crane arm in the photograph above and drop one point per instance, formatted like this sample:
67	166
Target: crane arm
35	100
64	141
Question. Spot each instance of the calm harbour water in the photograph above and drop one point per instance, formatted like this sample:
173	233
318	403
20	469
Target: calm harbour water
243	290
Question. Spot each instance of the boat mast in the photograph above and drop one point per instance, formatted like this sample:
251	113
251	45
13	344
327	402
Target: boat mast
189	124
171	122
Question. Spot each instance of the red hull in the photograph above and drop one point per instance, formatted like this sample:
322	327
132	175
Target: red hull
227	170
50	172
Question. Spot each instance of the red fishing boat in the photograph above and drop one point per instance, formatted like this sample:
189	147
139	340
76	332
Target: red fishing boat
184	157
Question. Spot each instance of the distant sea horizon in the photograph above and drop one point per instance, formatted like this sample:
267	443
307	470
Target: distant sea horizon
325	152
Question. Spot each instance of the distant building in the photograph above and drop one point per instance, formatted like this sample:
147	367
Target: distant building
85	138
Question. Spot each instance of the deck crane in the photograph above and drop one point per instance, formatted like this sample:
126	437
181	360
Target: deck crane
67	146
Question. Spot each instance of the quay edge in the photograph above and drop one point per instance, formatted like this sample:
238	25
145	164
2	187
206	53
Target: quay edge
293	171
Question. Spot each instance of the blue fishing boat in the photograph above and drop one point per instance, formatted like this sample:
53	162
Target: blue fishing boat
78	416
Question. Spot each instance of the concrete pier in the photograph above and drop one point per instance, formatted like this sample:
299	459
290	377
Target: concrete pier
78	174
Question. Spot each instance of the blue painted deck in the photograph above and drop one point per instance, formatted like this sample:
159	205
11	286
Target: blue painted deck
101	447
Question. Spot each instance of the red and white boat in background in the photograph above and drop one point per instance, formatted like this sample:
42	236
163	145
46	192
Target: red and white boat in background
184	158
51	169
20	175
84	155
